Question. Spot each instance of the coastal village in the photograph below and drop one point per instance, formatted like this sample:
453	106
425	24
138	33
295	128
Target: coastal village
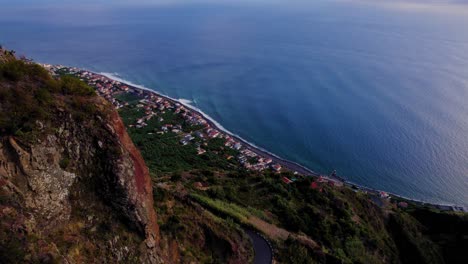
154	105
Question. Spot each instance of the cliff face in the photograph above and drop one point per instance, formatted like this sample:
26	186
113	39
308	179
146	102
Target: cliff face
133	177
73	187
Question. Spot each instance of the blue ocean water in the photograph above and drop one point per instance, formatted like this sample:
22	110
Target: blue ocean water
377	91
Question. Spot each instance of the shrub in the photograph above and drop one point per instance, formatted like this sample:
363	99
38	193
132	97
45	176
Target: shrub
176	176
44	97
13	70
29	93
73	86
16	70
64	163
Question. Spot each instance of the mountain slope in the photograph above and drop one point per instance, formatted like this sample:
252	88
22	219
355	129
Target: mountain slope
73	187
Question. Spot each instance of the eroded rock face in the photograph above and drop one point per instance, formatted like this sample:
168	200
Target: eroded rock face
72	162
47	185
135	180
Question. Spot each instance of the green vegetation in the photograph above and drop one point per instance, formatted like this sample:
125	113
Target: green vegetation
203	201
297	253
410	240
346	225
127	97
11	249
72	86
228	209
28	95
16	70
33	106
64	162
164	154
325	216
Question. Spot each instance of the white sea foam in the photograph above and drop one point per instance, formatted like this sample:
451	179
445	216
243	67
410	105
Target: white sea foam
189	104
185	101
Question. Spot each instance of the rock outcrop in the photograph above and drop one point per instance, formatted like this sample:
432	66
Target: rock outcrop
135	185
73	189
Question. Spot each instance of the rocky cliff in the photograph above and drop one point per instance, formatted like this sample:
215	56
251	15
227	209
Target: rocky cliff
73	187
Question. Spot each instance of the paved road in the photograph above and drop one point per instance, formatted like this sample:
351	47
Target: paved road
263	254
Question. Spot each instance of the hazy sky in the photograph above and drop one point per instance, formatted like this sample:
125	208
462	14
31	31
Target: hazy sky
62	7
133	2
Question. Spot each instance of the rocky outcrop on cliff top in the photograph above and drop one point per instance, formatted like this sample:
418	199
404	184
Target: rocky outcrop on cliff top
73	188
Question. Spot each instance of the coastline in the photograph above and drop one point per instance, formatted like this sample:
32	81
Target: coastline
293	166
289	165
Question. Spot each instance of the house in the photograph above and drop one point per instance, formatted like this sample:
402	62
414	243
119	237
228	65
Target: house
242	159
188	137
322	179
213	134
276	167
286	180
403	204
201	151
199	134
383	194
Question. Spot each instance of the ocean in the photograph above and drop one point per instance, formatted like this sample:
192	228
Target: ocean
376	90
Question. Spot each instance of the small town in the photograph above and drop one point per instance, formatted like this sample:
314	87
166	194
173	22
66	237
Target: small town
250	158
263	132
154	105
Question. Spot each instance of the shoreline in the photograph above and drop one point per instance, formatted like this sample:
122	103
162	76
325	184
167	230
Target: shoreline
290	165
287	164
293	166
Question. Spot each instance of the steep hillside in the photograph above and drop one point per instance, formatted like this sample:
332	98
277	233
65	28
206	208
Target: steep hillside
73	187
307	219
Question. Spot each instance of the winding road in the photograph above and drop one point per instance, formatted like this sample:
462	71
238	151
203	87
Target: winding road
263	252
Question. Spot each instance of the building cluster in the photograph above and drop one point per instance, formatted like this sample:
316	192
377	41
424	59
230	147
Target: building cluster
251	160
153	105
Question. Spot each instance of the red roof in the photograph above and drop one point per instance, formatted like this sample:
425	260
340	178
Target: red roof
403	204
286	180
